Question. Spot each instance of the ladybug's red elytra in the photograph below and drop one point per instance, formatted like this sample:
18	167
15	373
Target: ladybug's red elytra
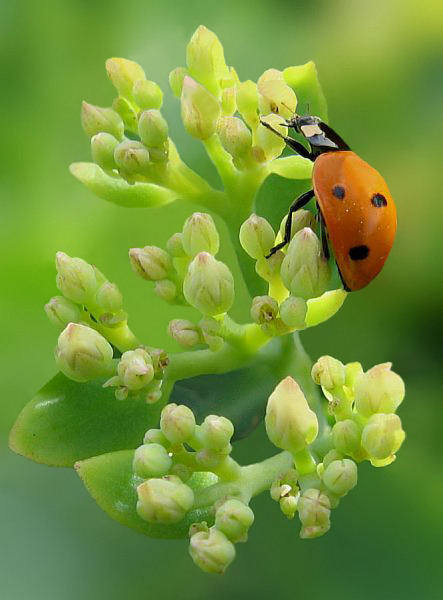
356	211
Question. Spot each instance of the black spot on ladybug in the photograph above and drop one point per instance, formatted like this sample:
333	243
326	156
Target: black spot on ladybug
359	252
338	191
379	200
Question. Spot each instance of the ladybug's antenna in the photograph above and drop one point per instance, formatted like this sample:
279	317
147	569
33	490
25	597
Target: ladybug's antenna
307	108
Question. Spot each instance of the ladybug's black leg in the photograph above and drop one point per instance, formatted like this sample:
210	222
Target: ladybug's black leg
298	203
293	144
324	237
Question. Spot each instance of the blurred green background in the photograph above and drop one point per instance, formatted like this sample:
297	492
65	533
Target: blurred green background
381	65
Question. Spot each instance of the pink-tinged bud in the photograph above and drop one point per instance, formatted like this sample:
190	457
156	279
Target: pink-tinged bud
200	110
209	285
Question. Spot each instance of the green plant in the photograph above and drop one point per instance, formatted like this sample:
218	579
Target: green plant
137	423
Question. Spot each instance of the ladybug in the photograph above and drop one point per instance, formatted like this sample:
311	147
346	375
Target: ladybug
355	209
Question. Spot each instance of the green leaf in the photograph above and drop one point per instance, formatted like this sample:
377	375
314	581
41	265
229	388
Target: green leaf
303	79
68	421
111	482
276	196
239	395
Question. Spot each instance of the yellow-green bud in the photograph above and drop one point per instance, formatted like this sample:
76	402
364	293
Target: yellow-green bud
166	290
211	551
165	500
304	80
109	297
96	119
76	279
382	436
290	423
329	457
271	144
209	285
155	436
328	372
234	136
135	369
174	246
132	157
153	128
216	432
150	262
205	59
176	78
264	309
247	102
126	110
200	235
288	506
103	146
340	476
82	353
269	268
123	74
234	518
256	236
151	460
184	332
147	94
275	96
200	110
228	101
293	312
305	271
62	311
177	423
314	509
353	371
346	435
300	219
379	390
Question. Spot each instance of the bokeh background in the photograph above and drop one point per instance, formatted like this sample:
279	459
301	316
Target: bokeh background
381	67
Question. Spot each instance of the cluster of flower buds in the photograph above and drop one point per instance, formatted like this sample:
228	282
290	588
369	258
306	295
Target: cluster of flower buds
298	275
187	272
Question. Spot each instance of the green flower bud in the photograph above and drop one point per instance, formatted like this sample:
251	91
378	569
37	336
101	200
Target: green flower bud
159	357
346	435
135	369
184	332
131	157
150	262
305	271
330	457
216	432
209	285
123	74
176	78
96	119
76	279
353	372
109	297
269	268
379	390
288	506
174	246
247	102
275	96
181	471
293	312
304	80
290	423
300	219
153	128
228	103
147	94
126	110
234	518
62	311
82	353
166	290
200	235
340	476
234	136
155	436
264	309
165	500
328	372
256	236
211	551
103	146
205	59
209	329
177	423
314	509
382	436
151	460
271	144
200	110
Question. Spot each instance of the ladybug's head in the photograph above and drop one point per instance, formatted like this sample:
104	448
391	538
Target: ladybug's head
317	133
